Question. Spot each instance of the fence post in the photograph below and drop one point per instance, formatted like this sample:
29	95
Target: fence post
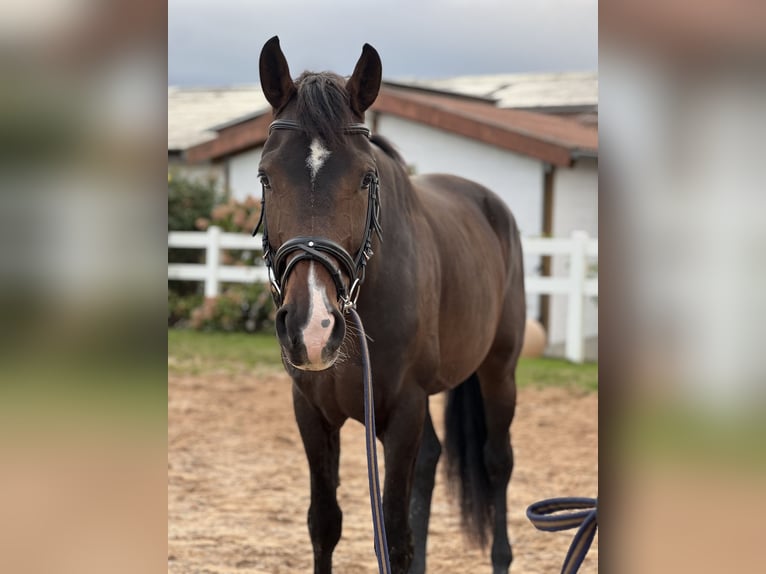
212	257
575	343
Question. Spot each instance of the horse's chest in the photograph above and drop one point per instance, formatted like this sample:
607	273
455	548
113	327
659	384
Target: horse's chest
337	396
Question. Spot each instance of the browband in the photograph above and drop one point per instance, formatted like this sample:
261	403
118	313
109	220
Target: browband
352	129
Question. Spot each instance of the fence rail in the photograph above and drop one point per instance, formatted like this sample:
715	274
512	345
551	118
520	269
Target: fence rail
577	285
212	273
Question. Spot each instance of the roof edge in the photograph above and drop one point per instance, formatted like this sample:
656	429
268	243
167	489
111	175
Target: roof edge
474	127
438	92
238	137
240	120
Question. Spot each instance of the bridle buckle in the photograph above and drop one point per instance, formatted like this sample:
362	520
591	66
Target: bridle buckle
276	291
349	301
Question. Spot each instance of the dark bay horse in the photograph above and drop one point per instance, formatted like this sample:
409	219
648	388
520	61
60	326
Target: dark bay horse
442	303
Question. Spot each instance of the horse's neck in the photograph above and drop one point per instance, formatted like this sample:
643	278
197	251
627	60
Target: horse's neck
398	196
399	208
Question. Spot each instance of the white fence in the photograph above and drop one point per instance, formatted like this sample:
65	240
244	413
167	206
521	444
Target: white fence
212	272
577	286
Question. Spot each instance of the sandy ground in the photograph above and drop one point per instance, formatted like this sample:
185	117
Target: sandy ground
238	487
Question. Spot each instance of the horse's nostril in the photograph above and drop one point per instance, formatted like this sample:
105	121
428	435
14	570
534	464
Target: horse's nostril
287	331
338	330
281	323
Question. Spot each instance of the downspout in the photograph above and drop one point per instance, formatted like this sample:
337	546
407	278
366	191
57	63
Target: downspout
549	171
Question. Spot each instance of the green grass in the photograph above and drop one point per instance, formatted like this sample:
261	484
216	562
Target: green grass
192	352
546	372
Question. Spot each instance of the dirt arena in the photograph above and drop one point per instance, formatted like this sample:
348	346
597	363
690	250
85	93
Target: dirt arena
238	487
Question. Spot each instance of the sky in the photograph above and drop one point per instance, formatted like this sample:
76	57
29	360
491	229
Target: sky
217	42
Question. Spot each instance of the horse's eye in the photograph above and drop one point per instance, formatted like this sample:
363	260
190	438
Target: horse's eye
367	180
264	180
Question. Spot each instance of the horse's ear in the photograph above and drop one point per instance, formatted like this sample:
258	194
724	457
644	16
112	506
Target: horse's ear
278	86
364	83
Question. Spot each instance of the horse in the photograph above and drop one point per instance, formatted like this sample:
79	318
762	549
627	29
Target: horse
433	266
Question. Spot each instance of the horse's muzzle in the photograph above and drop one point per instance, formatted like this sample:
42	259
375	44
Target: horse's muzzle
310	342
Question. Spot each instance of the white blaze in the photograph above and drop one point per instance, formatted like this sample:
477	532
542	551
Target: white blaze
318	154
320	323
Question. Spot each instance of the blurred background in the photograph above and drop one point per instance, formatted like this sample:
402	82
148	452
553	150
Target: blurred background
82	265
682	276
83	261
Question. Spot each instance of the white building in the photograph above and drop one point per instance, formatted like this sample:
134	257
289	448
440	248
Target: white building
192	115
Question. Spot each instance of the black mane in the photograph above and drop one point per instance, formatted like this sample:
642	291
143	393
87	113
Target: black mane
323	111
323	106
388	148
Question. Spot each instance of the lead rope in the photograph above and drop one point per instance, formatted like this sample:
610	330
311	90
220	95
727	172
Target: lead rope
540	514
378	525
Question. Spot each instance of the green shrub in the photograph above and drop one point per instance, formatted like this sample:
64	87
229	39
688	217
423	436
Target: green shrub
180	307
195	206
188	201
233	216
236	217
239	307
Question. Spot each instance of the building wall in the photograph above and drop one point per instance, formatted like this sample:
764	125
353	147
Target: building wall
575	207
517	179
243	174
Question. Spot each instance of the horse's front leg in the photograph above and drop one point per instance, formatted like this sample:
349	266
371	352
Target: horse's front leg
322	444
422	490
401	442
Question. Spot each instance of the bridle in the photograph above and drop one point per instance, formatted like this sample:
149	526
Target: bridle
328	253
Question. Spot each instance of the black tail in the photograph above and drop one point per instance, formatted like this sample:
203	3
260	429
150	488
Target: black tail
466	434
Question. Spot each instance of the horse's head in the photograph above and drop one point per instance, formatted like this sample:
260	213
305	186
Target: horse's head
319	183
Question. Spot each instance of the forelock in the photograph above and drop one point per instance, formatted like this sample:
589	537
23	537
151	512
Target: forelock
323	107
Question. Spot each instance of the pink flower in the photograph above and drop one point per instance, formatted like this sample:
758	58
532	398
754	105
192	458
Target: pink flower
240	218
